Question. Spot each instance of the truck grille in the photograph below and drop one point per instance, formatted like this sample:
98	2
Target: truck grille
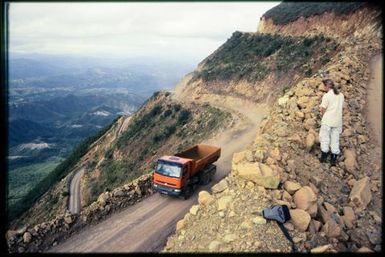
164	183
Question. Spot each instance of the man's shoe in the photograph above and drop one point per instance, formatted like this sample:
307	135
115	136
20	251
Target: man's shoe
324	156
333	159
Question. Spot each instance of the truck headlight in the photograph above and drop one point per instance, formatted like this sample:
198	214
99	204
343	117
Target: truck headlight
177	190
155	185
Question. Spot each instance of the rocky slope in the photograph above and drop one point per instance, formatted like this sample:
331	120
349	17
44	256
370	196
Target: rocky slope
332	209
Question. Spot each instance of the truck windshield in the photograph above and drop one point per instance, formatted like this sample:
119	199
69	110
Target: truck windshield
168	169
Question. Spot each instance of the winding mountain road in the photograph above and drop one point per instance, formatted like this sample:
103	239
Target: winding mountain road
145	226
74	204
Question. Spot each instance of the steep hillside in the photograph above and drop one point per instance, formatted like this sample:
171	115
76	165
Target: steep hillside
332	209
256	66
162	125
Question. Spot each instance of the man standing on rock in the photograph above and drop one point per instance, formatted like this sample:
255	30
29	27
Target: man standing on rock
331	124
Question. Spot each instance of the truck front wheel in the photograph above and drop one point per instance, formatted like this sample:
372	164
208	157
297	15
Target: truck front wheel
187	192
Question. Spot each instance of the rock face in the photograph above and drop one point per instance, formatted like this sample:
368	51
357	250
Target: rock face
259	173
360	196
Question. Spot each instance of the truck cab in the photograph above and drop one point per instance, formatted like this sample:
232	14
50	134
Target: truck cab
170	174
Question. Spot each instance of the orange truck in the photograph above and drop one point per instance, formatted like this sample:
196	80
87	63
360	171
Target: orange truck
180	174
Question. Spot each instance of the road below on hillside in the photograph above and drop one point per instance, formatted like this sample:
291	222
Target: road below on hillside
74	201
145	226
374	111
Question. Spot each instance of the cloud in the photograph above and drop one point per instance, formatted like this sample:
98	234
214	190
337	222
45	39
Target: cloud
184	29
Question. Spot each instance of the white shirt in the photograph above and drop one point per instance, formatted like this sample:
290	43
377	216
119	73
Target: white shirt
333	105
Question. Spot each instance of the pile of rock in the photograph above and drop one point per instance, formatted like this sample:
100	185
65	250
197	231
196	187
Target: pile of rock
332	208
48	234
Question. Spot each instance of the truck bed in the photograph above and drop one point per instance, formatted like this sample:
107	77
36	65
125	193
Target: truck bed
203	155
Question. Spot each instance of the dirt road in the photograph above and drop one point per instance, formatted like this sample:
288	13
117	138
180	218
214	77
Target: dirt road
375	101
74	202
145	226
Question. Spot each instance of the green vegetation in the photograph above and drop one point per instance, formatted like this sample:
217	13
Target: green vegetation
297	53
287	12
22	180
253	56
18	207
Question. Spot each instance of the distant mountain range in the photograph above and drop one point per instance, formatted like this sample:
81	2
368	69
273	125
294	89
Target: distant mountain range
54	102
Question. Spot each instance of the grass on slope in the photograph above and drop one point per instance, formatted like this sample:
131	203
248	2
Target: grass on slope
253	56
287	12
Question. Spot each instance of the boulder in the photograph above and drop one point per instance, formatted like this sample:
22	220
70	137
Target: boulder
291	187
118	192
331	229
259	173
350	161
223	202
220	186
283	100
10	235
348	216
306	200
321	249
303	91
180	224
249	156
259	220
259	155
300	115
300	219
103	198
194	209
360	196
204	198
286	196
310	141
303	101
315	226
214	245
275	154
238	157
364	249
27	237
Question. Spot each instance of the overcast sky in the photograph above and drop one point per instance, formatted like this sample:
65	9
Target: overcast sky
181	30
